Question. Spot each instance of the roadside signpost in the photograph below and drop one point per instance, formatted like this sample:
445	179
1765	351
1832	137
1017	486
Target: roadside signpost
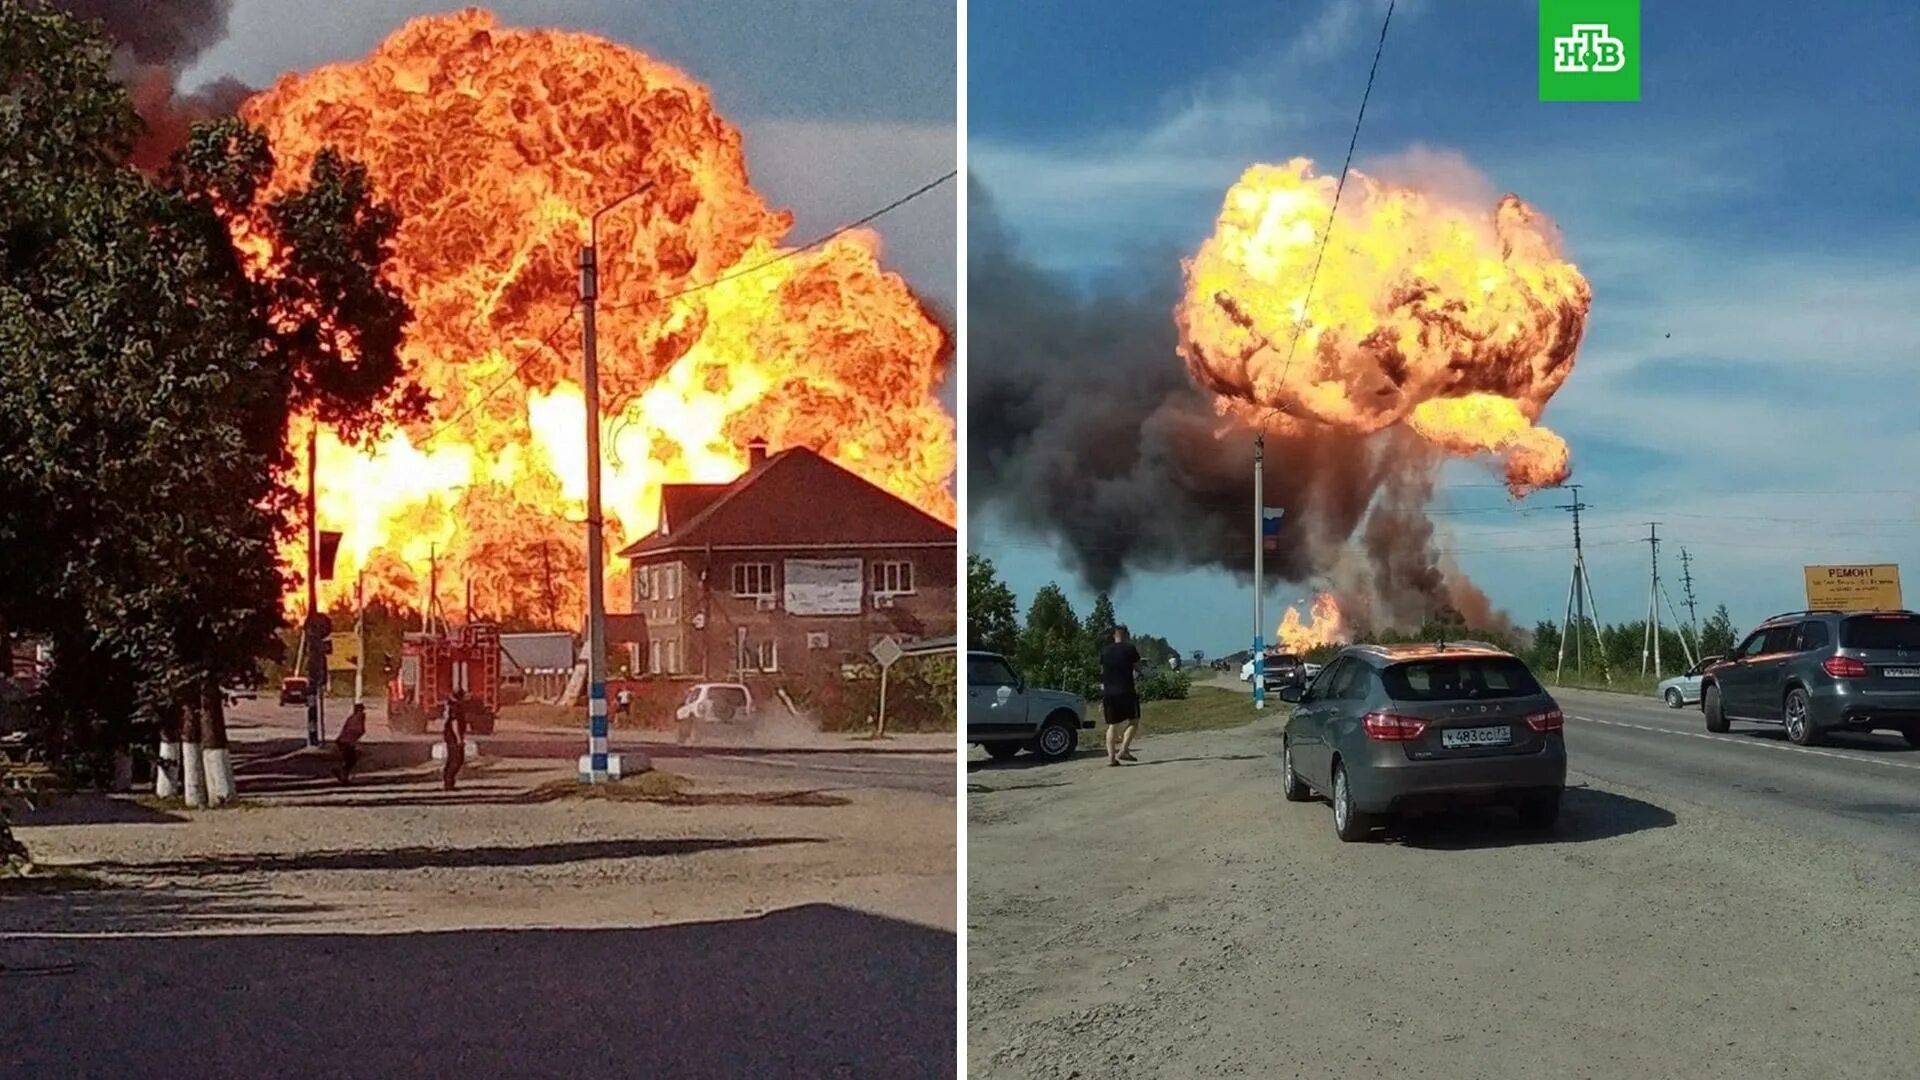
888	652
1869	587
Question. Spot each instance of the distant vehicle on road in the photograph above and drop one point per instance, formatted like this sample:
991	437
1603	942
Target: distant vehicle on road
293	690
716	703
1815	672
1391	729
1281	670
1684	689
1006	716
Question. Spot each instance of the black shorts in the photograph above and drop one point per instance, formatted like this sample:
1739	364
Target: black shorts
1120	708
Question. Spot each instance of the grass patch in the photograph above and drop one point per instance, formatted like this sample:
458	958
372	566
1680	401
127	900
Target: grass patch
669	789
540	714
1635	684
174	804
1205	708
34	879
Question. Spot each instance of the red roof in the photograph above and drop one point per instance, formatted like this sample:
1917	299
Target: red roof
797	498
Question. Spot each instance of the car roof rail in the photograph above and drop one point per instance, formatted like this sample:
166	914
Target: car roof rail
1798	614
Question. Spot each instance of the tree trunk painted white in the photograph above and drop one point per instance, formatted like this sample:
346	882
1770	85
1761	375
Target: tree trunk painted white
195	772
164	784
219	768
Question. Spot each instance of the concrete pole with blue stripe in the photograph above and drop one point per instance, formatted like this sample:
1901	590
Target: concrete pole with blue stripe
1259	569
598	765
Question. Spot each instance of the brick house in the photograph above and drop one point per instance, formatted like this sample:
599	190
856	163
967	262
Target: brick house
789	574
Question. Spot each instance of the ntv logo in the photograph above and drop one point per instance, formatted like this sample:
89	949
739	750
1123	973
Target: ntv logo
1589	49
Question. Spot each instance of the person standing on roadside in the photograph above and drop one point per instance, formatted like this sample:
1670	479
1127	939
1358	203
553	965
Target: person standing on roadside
454	732
351	732
1120	664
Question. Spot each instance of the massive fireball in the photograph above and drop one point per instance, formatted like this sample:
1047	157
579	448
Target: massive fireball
495	145
1456	322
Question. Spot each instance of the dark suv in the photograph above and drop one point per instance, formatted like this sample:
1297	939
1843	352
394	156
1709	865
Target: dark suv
1813	672
1385	729
1284	670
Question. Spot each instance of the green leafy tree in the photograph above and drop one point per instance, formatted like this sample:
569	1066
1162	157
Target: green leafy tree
993	621
1100	623
1717	634
1053	649
149	378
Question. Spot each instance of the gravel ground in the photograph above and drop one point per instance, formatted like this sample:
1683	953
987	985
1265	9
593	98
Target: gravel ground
1178	918
392	929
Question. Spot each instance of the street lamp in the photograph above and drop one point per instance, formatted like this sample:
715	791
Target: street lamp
598	765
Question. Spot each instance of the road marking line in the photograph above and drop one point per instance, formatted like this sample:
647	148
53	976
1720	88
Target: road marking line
1747	742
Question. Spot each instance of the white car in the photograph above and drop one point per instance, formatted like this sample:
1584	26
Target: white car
1683	690
716	703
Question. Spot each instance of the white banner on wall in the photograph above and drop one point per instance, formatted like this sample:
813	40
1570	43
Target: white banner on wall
823	586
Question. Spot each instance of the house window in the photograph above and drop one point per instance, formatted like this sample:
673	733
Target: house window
892	578
654	651
642	581
670	582
673	657
753	579
767	655
817	640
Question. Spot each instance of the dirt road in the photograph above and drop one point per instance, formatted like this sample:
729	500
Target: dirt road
392	929
1178	918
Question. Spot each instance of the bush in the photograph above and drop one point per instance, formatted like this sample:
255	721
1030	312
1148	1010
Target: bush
1165	684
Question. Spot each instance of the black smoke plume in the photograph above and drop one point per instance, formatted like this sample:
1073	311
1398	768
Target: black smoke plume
1084	427
154	41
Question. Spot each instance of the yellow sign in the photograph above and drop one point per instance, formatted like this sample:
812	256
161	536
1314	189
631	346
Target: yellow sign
343	652
1874	587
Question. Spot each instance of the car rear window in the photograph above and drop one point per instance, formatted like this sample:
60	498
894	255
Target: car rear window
1880	632
1459	679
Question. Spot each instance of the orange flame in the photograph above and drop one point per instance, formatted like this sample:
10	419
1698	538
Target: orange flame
496	145
1457	323
1325	626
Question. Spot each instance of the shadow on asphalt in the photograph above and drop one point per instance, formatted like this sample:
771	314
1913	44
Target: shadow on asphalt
813	991
1585	814
1202	757
94	808
1030	760
433	858
989	789
1839	740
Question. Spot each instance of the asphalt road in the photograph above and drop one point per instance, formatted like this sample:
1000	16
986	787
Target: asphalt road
1863	790
918	765
1708	908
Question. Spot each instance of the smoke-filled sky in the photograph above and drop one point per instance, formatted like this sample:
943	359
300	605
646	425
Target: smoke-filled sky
844	106
1746	376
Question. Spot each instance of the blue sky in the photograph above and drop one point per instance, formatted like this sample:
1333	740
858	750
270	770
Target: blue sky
844	105
1757	204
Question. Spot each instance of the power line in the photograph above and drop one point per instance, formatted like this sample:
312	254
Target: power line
547	342
1326	234
791	253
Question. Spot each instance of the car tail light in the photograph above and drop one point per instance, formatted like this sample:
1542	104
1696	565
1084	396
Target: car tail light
1845	667
1392	727
1551	720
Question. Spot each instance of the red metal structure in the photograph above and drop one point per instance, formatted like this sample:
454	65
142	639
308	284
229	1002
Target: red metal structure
432	666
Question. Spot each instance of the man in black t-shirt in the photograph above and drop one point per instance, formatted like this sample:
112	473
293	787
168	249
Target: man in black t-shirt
1120	664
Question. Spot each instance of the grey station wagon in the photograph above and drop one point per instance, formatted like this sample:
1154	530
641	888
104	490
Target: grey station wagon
1812	672
1389	729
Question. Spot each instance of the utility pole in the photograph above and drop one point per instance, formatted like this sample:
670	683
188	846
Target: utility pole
316	651
360	636
1686	579
546	567
1259	569
597	764
1652	636
1580	605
